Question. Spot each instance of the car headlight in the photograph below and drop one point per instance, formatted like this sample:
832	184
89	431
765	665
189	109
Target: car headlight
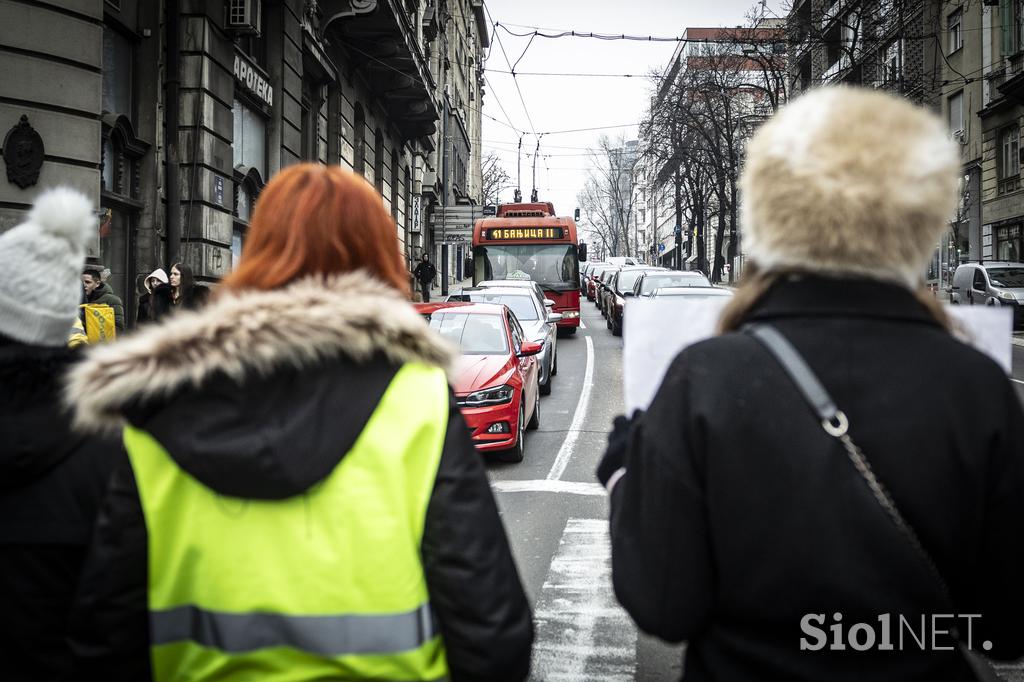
570	313
1006	296
489	396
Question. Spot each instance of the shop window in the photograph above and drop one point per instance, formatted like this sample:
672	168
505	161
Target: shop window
1009	244
249	144
248	184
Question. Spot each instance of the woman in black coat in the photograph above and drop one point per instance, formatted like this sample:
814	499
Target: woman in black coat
738	524
157	300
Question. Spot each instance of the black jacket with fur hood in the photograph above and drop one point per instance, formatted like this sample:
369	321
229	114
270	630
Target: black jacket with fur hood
737	515
52	482
234	392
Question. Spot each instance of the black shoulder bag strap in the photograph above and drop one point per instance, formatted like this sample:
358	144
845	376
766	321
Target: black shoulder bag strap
836	425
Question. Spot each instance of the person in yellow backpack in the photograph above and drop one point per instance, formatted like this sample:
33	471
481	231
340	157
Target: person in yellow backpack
303	499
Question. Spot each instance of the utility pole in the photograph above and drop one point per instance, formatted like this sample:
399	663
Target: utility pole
533	192
518	196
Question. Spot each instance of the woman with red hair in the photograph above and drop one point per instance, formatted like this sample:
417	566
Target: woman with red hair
302	499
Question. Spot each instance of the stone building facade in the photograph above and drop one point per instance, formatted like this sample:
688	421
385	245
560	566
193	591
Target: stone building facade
172	115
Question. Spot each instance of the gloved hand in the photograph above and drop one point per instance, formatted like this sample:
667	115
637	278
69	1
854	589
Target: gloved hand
618	444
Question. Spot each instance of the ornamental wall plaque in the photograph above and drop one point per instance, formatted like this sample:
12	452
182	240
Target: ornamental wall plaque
23	154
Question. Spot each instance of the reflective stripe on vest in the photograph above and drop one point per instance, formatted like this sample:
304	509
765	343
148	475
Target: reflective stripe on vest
324	635
324	585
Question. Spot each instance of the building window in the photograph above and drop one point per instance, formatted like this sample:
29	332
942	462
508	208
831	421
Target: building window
359	140
953	30
1009	160
1009	244
248	184
396	187
1009	21
378	161
249	145
956	112
118	56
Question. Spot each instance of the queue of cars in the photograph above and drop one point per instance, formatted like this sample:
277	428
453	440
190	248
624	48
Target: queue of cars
508	336
608	284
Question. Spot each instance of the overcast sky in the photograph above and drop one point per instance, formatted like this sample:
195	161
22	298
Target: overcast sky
556	103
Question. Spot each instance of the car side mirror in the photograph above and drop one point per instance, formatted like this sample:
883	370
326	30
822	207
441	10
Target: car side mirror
548	303
554	317
529	348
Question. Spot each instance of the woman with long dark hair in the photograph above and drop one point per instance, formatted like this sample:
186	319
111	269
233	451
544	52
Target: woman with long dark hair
836	472
302	486
184	291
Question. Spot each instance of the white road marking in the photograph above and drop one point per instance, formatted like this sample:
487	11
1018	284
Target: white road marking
583	325
1017	340
565	452
547	486
1017	380
582	632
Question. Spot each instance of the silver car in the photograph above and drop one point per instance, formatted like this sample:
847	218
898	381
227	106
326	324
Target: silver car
996	283
538	322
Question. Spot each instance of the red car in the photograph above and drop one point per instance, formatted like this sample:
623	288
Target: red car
496	379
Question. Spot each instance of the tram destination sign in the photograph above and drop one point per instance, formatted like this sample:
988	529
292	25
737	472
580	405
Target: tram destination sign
500	234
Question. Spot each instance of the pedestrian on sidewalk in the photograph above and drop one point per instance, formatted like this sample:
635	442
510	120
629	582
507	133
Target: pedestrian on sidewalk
158	299
51	480
101	293
745	522
303	499
425	273
185	293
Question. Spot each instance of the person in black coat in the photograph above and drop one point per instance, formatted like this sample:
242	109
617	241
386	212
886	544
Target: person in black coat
158	299
425	273
738	524
51	479
280	385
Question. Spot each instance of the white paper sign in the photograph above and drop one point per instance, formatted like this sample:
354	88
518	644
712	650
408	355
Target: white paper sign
656	330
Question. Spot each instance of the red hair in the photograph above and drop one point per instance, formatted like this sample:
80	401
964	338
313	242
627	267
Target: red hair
318	220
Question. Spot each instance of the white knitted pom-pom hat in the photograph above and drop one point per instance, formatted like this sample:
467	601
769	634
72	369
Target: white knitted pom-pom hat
41	268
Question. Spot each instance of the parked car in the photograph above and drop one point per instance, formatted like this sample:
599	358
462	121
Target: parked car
539	323
647	283
694	293
495	379
621	289
996	283
593	274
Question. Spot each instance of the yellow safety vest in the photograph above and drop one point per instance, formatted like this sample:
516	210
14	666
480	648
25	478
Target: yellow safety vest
324	585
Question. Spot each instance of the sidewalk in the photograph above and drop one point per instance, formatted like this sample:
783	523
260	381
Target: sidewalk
435	292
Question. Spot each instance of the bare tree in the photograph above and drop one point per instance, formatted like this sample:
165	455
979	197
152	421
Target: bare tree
608	197
698	125
495	178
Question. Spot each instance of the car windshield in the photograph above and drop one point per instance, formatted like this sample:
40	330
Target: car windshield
628	278
1009	278
475	334
553	266
692	279
521	305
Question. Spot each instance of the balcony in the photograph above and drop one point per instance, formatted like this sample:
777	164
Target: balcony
837	70
381	41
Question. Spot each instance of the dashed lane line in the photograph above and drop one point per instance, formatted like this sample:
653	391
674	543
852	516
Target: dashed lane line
582	632
548	486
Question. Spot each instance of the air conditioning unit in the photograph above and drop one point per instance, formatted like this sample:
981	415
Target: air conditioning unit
244	16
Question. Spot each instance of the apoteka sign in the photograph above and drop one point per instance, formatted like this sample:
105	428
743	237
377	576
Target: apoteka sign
253	81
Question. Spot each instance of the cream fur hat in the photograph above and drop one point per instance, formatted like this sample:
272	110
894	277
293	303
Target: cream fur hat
849	181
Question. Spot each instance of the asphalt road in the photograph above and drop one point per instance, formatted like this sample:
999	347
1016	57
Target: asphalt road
556	516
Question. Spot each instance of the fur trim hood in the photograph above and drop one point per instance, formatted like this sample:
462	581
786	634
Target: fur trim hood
847	181
251	333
